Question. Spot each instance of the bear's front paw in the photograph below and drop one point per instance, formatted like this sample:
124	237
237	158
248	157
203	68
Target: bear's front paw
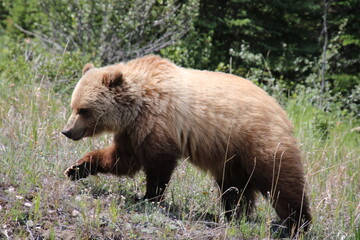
77	172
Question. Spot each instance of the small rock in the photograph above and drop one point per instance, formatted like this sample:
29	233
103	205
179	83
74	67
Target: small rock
78	198
11	189
75	213
147	230
30	223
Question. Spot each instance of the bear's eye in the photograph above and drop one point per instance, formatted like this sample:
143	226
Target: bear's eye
83	111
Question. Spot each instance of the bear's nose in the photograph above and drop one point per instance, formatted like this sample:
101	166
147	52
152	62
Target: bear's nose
67	133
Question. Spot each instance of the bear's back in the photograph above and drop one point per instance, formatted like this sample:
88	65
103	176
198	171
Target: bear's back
204	109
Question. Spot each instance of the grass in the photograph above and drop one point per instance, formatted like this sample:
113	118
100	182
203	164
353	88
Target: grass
36	201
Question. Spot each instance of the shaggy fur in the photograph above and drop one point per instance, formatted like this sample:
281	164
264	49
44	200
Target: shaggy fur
160	112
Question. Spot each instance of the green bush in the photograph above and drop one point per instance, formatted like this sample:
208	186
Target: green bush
107	30
26	61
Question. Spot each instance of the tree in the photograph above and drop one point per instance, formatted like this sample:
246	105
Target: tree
282	31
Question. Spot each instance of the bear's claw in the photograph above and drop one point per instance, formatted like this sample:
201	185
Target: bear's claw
77	172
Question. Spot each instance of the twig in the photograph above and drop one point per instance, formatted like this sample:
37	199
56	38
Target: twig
5	233
44	39
29	231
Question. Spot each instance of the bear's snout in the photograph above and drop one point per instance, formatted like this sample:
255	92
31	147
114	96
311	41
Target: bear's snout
75	128
67	133
74	134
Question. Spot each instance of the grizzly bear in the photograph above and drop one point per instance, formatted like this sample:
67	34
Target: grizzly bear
159	113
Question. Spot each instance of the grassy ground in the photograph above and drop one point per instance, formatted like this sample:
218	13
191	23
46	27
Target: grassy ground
36	201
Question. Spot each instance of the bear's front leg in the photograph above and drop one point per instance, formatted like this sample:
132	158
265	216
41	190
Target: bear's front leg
87	165
98	161
158	175
115	159
159	161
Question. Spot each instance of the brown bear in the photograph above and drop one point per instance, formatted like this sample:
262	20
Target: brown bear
160	113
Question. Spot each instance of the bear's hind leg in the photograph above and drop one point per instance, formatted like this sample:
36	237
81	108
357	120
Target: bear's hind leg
293	210
289	199
237	198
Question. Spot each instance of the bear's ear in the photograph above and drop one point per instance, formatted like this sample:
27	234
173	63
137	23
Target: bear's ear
112	79
87	67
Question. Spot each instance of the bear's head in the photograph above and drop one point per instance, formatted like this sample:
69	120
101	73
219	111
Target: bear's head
102	101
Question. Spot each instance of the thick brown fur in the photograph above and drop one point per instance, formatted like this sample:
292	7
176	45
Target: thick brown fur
160	112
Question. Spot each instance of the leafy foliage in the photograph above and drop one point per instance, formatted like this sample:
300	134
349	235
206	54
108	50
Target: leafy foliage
280	31
110	30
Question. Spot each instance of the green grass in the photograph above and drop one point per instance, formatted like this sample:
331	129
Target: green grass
37	201
331	154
